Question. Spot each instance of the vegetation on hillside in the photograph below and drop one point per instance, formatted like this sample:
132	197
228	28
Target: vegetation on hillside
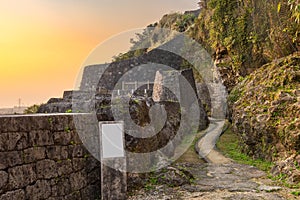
259	43
152	35
266	109
254	32
32	109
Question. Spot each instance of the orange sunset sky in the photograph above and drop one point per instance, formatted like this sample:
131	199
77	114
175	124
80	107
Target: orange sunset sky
43	43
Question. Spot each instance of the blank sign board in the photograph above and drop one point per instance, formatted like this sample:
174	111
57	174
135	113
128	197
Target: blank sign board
112	140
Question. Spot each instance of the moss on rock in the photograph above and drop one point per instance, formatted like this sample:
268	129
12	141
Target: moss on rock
266	110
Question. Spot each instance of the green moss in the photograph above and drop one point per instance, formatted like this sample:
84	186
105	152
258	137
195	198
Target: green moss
69	111
50	120
32	109
296	193
67	129
234	95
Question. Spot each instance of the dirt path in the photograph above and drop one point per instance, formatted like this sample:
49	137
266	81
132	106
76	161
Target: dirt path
217	178
205	147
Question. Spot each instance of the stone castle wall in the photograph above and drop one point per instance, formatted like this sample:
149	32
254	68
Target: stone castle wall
42	157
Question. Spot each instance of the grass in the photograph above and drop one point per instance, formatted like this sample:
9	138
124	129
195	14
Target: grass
190	155
229	145
296	193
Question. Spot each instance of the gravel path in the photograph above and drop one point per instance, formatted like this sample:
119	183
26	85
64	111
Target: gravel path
218	178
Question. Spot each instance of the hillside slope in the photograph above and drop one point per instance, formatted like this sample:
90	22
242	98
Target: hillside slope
266	111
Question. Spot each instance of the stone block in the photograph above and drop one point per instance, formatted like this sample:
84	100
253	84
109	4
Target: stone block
78	163
13	141
91	192
8	124
21	176
34	154
94	176
64	167
41	138
113	181
40	190
46	169
75	137
57	152
62	122
62	138
10	159
92	163
79	151
17	194
74	196
60	187
78	180
3	179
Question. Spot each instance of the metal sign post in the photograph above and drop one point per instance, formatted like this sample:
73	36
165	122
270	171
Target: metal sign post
113	161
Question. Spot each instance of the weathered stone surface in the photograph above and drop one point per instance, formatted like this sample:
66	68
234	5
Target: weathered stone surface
78	164
78	151
57	152
10	159
41	138
211	181
64	167
60	187
3	179
63	123
91	191
269	188
17	194
78	180
114	181
23	123
13	141
46	169
75	138
63	138
94	176
74	195
21	176
91	163
40	190
174	177
34	154
265	113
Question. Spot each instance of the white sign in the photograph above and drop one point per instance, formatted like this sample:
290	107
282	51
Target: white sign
112	139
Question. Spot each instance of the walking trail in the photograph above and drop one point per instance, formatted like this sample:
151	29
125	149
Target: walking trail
216	176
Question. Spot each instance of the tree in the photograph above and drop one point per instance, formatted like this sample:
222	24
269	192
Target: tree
32	109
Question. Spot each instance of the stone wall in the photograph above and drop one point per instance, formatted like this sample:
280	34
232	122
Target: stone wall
42	157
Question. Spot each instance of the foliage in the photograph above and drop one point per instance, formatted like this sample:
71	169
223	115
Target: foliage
32	109
295	8
152	36
254	32
234	95
296	193
184	21
229	145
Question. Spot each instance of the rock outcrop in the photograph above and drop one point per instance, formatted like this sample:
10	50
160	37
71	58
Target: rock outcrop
266	111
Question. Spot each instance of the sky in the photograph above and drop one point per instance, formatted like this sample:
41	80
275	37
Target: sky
43	43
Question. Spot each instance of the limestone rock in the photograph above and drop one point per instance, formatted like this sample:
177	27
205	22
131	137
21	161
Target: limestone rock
265	114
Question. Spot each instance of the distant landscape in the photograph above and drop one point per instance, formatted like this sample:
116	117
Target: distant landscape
14	110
